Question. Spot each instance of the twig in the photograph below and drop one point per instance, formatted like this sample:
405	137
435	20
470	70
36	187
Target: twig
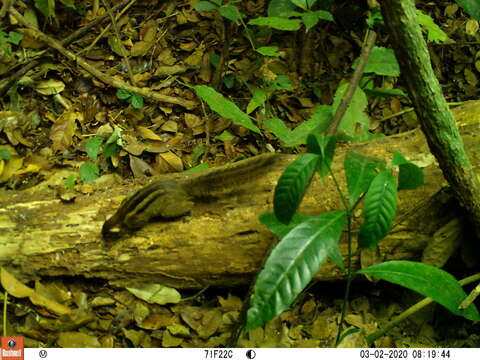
8	83
357	75
119	39
36	34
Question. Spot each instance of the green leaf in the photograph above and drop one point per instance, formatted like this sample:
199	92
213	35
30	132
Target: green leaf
471	7
278	23
427	280
4	154
304	4
280	8
278	128
89	172
325	147
268	50
225	107
70	182
259	97
215	60
196	169
14	37
382	61
269	220
204	6
410	177
360	170
116	136
229	80
379	210
317	124
92	147
117	46
434	32
355	113
136	101
292	264
123	94
292	186
225	136
311	18
282	82
231	12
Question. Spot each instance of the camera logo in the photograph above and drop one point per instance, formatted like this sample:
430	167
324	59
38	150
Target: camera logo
12	348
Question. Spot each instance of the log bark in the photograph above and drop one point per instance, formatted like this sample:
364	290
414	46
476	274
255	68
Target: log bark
222	243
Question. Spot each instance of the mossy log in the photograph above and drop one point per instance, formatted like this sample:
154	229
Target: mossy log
221	243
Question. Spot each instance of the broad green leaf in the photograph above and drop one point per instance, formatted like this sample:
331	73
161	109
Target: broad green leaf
70	182
382	61
434	32
14	37
278	23
316	124
268	50
279	129
471	7
282	82
225	136
136	101
89	172
360	170
204	6
280	8
427	280
398	159
292	264
304	4
269	220
259	97
379	210
292	186
4	154
225	107
325	147
196	169
311	18
92	147
231	13
355	113
123	94
215	60
410	177
117	47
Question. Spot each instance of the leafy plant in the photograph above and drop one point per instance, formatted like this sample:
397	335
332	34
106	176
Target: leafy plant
11	37
89	170
135	100
307	241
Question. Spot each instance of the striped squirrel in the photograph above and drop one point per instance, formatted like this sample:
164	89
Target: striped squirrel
167	199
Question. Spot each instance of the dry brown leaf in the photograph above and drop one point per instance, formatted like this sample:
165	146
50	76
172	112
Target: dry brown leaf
63	129
170	126
146	133
10	167
19	290
173	160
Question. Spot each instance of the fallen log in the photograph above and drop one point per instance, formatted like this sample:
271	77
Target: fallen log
221	243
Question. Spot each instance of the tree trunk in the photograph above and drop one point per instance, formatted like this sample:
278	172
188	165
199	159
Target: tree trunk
221	243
